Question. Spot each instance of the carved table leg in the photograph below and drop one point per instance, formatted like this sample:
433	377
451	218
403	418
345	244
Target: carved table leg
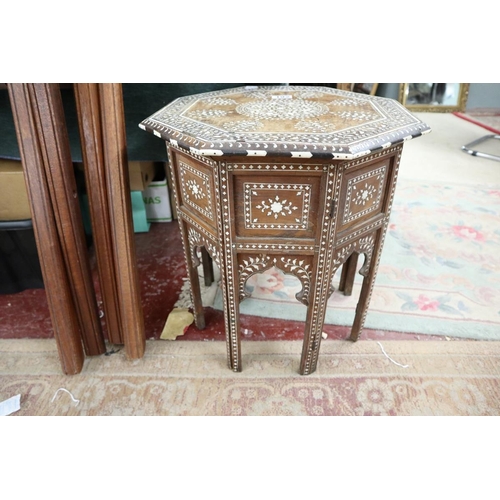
208	269
192	263
230	280
231	308
320	291
229	272
312	338
348	274
369	271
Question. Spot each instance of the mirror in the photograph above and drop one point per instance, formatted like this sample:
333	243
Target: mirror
434	97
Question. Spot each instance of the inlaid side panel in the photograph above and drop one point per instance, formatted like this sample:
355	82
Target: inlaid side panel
364	194
365	191
277	206
195	185
196	188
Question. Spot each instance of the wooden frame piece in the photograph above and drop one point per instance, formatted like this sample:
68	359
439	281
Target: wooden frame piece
91	134
58	226
63	192
120	217
30	134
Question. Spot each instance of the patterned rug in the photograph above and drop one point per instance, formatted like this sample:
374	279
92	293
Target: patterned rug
439	271
191	378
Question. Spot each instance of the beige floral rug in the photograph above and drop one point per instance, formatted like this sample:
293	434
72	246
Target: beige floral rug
438	272
191	378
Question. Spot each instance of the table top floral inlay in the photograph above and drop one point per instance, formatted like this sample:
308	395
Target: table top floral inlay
298	121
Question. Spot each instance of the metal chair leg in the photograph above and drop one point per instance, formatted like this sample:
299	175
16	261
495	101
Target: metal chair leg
475	152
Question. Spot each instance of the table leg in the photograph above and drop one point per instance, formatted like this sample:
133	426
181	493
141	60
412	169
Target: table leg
192	263
208	269
320	291
348	274
370	273
229	275
312	338
371	246
230	280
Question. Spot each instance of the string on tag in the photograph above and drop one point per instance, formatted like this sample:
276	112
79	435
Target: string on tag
390	359
65	390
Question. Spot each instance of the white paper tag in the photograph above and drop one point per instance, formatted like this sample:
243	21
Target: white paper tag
10	405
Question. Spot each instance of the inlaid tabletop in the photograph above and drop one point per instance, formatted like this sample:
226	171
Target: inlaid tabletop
299	121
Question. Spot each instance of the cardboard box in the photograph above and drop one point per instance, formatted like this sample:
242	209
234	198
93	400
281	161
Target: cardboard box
157	202
141	173
14	204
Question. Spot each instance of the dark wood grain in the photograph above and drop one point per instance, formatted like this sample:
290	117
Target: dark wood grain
91	133
122	231
63	313
58	166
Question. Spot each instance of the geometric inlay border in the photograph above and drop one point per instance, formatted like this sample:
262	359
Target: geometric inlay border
224	131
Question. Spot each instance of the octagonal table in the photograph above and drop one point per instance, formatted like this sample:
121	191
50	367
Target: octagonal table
297	177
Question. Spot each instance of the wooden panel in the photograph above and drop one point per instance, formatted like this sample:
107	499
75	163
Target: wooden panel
63	192
117	181
57	283
91	133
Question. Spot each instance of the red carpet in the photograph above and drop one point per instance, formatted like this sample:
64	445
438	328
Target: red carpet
161	271
488	119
